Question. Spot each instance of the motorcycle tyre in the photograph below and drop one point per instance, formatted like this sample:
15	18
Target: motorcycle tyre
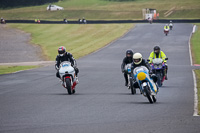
68	86
146	89
154	99
133	90
159	82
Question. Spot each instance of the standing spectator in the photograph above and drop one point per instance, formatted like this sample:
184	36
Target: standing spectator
157	15
79	21
84	21
3	21
65	20
50	7
38	21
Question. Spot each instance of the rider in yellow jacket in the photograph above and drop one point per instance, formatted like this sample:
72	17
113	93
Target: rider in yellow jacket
157	53
166	26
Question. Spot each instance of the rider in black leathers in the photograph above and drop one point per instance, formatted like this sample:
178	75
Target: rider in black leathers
65	56
128	59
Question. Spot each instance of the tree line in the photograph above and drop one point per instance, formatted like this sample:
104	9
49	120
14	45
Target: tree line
20	3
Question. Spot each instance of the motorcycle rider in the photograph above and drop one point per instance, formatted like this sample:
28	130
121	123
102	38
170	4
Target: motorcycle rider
139	61
166	27
65	56
157	53
128	59
170	23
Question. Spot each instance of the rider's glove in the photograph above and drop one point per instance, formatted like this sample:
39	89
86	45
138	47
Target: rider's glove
150	72
123	71
56	67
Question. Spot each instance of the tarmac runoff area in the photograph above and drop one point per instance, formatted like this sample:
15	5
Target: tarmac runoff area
15	47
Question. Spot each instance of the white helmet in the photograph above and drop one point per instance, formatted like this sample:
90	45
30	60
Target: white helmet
166	25
137	58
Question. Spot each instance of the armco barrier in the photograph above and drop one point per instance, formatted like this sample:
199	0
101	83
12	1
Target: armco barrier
108	21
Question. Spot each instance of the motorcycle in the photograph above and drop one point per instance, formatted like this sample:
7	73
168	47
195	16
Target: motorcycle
130	78
158	68
166	31
146	83
170	26
68	77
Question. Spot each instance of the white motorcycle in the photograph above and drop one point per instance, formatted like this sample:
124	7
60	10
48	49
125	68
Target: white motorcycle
68	76
170	26
147	83
130	78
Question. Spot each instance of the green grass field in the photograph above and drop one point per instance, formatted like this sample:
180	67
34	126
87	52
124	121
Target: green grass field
105	9
11	69
196	45
79	40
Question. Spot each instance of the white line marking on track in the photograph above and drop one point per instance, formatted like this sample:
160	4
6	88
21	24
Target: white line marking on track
195	95
194	29
191	62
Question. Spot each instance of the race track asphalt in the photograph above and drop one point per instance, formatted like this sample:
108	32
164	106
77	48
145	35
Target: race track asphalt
34	101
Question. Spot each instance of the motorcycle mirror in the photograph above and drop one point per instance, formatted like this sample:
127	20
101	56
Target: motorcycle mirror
148	60
166	58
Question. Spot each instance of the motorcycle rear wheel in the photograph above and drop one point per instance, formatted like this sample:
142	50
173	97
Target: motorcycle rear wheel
68	86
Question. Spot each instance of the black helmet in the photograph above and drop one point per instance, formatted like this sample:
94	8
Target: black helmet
156	49
129	53
61	50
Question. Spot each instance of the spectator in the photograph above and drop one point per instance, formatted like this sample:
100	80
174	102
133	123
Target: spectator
38	21
65	20
79	21
3	21
84	21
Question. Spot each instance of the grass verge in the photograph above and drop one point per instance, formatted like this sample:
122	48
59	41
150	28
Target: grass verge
106	9
79	40
11	69
195	42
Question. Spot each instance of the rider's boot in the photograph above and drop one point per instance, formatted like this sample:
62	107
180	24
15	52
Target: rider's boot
166	72
62	83
77	80
166	77
126	84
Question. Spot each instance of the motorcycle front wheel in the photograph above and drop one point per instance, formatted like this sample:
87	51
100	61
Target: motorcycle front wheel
68	86
159	81
147	91
154	99
133	90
